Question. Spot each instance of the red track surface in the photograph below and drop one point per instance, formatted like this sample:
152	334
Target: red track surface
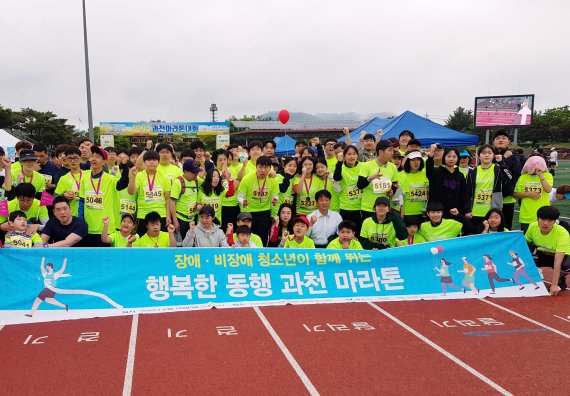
430	347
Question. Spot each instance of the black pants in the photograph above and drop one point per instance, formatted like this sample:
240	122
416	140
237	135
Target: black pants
141	227
229	215
508	213
261	224
547	260
93	240
353	215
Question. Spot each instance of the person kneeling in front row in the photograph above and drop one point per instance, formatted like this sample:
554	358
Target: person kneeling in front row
552	244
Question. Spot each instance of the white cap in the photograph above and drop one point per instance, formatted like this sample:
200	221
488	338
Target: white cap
414	154
552	149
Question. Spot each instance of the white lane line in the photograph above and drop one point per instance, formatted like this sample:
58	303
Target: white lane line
127	385
308	384
1	327
565	335
445	353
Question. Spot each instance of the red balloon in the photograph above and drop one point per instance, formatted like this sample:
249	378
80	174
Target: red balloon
283	116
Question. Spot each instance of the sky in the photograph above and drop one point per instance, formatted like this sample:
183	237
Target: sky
171	59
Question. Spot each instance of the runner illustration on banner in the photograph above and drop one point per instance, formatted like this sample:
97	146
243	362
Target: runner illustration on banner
446	279
50	290
520	271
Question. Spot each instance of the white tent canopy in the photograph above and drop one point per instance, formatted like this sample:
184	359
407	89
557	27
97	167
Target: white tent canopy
7	140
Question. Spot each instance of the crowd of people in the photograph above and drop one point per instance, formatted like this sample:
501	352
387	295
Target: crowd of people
374	194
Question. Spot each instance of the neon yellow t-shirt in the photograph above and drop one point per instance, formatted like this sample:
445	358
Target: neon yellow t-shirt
383	233
416	192
556	241
447	229
70	182
306	202
253	238
306	243
99	197
185	203
335	244
214	200
378	187
36	212
118	240
258	192
162	240
483	190
413	239
529	206
151	193
36	179
350	196
22	240
171	171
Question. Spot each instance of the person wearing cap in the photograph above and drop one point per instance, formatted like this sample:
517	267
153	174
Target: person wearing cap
553	160
414	145
98	196
383	230
438	228
69	184
64	229
464	162
243	219
6	179
414	184
324	221
376	178
257	194
298	239
36	214
154	237
513	161
125	236
366	145
205	233
243	239
165	165
20	146
398	159
184	197
152	189
28	173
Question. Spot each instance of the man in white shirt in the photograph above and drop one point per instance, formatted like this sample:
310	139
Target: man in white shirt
553	160
324	222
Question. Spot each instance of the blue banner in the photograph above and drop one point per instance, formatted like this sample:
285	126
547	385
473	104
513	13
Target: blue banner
56	284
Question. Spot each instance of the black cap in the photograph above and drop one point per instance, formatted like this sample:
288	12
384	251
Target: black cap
414	142
382	200
27	155
191	166
130	216
244	216
207	209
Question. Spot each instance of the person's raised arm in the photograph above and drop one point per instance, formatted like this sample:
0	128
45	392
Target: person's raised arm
42	268
62	269
105	232
7	185
132	187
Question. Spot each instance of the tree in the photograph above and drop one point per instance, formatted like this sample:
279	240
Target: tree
45	127
460	120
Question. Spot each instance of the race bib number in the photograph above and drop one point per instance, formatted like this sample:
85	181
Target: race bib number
128	206
382	185
47	178
533	187
156	195
47	282
191	210
353	192
93	200
21	241
483	197
307	202
418	193
288	199
213	203
379	238
258	194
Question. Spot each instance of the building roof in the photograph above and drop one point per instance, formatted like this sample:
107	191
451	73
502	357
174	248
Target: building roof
296	125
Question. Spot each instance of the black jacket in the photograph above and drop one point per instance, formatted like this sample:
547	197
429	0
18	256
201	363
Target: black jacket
503	183
446	187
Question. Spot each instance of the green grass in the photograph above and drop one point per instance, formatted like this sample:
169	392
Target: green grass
562	177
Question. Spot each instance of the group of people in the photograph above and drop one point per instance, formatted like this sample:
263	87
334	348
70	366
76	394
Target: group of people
374	194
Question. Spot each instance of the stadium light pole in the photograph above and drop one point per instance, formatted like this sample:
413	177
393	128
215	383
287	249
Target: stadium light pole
87	78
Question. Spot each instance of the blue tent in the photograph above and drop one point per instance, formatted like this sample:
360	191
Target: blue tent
371	127
285	145
426	131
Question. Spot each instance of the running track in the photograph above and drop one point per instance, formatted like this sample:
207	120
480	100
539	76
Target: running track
500	346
